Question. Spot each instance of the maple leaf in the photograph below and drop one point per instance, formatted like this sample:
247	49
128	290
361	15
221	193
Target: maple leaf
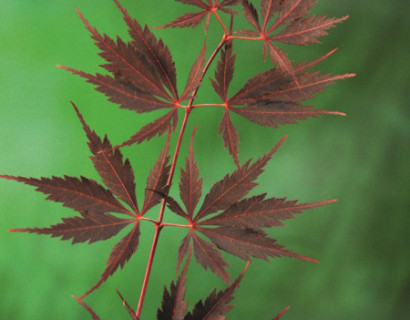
193	19
292	21
95	203
143	75
270	98
237	224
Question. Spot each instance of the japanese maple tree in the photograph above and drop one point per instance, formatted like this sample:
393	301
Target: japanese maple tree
140	76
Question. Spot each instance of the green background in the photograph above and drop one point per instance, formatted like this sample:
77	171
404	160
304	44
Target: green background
362	241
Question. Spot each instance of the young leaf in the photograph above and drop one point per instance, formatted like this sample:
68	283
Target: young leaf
91	227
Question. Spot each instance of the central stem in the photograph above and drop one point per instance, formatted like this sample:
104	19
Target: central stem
158	226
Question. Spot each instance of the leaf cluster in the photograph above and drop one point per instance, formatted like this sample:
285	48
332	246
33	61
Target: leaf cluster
140	76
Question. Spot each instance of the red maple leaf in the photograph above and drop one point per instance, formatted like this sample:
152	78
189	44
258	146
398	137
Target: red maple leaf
95	203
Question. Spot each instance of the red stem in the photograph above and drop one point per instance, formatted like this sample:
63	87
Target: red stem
159	225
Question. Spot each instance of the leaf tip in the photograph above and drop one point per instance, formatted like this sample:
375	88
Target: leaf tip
17	230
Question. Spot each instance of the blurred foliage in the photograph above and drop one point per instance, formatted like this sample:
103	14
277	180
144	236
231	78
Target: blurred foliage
362	241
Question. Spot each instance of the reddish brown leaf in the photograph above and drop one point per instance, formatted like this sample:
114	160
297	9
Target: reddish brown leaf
246	243
195	76
183	249
251	14
89	310
173	305
120	254
234	186
157	182
291	11
307	31
275	85
191	20
224	72
123	93
280	59
79	194
268	10
117	175
127	62
91	227
216	305
156	52
230	136
122	251
256	212
159	126
190	186
208	256
309	85
275	113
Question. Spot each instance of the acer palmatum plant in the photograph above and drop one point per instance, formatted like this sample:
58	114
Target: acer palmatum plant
142	77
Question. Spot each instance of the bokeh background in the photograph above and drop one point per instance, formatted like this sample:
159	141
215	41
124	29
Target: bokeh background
362	241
